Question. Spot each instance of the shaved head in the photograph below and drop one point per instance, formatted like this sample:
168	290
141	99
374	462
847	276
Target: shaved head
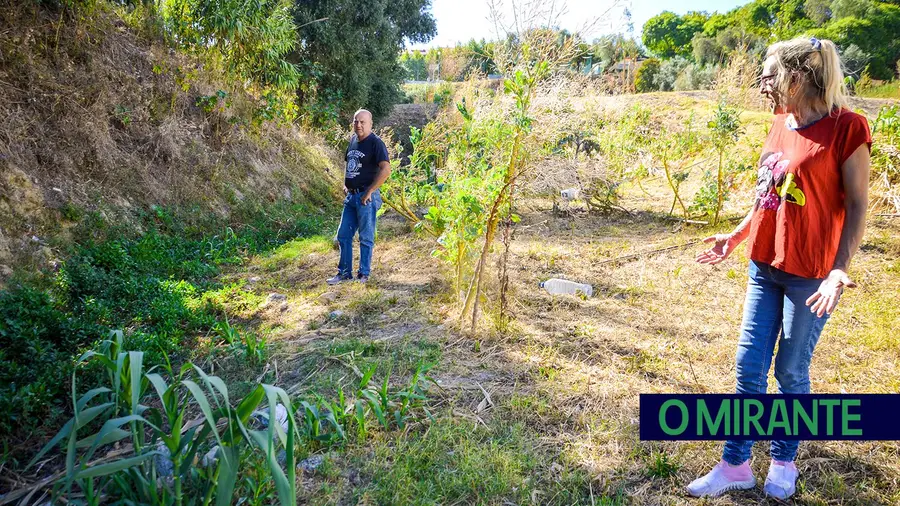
362	124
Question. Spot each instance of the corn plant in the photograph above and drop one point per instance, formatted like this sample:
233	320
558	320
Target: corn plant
393	408
888	124
158	429
254	347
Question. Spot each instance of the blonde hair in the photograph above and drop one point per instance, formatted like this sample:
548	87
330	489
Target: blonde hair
817	65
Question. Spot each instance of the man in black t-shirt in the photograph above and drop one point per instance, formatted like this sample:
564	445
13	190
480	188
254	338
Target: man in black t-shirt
368	167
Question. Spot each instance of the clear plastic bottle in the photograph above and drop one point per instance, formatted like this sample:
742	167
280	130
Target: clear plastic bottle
563	286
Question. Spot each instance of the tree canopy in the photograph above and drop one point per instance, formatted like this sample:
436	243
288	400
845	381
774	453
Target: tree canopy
348	52
870	27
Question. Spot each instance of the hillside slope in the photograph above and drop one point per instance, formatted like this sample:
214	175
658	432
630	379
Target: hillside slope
95	116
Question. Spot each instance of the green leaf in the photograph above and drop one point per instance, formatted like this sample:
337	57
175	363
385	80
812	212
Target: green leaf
113	467
367	376
135	362
109	437
376	407
90	394
228	472
203	402
109	430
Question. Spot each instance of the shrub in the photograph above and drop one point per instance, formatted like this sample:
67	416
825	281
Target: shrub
668	73
696	77
645	77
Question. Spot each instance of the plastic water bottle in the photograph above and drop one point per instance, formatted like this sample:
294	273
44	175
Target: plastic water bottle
563	286
569	193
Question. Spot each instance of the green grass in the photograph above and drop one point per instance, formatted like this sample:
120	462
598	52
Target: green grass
455	462
162	286
290	251
886	90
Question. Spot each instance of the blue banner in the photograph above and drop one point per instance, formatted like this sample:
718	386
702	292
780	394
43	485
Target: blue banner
683	417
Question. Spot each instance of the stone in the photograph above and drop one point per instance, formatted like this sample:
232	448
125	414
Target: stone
337	313
211	457
254	279
311	464
5	271
328	297
274	298
164	465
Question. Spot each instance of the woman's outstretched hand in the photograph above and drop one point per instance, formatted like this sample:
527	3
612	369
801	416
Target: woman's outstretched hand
829	293
724	245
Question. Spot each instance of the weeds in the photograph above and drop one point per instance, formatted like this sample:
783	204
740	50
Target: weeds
168	418
162	285
662	466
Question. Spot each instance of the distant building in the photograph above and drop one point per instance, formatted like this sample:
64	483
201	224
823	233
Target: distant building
628	65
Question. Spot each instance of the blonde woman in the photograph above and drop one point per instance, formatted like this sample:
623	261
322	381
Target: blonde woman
806	224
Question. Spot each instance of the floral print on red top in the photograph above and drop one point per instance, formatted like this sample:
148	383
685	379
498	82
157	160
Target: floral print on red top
774	184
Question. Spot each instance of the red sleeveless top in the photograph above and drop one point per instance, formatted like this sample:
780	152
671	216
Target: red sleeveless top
799	211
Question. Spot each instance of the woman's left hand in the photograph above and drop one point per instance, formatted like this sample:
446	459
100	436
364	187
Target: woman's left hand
829	293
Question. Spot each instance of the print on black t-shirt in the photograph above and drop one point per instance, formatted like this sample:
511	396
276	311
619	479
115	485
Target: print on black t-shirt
363	158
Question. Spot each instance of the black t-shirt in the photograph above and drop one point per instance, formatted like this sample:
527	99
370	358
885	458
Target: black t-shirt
362	159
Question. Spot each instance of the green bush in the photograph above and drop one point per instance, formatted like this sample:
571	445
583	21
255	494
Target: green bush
645	77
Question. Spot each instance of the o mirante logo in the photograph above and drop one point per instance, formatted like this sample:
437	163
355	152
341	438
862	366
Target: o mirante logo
755	417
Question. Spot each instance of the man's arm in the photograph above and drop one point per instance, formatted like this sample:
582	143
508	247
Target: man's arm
384	171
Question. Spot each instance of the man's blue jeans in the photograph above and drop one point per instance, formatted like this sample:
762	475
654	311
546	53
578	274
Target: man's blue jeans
775	304
358	217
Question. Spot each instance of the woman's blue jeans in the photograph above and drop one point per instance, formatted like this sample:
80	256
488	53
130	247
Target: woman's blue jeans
358	217
775	305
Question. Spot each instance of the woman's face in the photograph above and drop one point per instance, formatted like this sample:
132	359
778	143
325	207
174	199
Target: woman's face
767	83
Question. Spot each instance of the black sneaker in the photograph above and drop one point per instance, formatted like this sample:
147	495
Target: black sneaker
361	278
338	278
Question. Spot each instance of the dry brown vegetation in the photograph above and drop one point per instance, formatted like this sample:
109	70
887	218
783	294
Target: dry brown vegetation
566	373
96	117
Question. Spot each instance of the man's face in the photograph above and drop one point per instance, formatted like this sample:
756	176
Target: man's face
362	124
767	83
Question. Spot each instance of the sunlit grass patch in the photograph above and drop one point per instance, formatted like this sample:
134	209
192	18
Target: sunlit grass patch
456	462
370	304
233	299
291	251
401	357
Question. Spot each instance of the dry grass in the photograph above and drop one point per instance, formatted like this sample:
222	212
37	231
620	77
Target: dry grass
569	371
96	116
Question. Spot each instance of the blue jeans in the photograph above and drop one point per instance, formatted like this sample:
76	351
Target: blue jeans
358	217
775	304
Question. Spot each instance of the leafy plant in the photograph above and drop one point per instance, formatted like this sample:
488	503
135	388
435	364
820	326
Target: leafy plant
163	441
724	129
210	103
888	124
662	466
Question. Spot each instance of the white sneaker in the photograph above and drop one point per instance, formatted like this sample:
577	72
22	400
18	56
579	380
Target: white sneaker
716	483
781	482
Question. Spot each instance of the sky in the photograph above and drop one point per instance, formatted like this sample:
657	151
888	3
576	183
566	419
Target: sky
462	20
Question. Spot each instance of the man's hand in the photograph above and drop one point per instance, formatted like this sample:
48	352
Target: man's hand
346	190
829	293
366	198
724	245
